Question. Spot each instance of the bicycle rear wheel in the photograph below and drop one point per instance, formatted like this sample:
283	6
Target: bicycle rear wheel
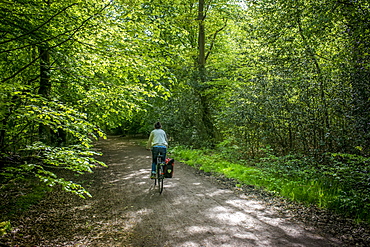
160	176
156	180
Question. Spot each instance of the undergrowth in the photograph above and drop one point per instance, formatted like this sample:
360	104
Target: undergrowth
19	195
338	182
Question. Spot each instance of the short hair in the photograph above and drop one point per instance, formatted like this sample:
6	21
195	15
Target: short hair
157	125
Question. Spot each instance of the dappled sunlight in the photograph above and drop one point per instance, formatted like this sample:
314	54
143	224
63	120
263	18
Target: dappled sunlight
252	205
229	222
115	181
117	227
235	227
205	235
228	215
83	207
219	192
142	173
191	211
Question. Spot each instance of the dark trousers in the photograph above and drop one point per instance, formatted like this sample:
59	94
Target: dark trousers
155	151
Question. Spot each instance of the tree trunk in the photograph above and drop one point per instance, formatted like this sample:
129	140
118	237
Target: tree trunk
361	94
207	122
323	118
359	38
44	89
201	39
45	84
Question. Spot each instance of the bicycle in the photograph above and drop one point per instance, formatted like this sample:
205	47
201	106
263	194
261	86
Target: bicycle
159	172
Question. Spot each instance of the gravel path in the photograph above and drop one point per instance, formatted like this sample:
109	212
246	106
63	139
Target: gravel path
126	210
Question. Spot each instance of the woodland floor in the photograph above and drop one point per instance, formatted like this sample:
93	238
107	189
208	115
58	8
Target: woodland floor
195	209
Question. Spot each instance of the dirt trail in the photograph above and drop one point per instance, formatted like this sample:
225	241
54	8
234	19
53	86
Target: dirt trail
127	211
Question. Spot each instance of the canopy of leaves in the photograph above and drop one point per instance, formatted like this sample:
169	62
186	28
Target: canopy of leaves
69	70
291	75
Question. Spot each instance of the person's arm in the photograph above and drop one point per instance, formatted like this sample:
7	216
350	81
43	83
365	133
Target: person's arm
149	144
165	137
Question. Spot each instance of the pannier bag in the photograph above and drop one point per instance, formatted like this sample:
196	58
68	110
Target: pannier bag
168	168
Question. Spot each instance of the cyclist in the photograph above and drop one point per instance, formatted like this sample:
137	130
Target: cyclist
157	143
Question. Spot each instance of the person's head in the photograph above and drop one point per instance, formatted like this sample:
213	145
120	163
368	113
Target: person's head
157	125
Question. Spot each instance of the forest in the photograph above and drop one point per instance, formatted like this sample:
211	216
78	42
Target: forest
279	91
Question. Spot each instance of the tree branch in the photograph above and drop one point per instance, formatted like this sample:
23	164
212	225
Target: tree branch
52	47
64	9
214	39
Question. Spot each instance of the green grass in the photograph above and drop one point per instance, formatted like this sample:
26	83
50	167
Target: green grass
339	182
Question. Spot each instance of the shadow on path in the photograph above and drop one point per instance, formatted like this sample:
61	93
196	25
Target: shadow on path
126	210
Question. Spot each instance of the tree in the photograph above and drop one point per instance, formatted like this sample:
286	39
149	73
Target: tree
295	78
66	71
195	34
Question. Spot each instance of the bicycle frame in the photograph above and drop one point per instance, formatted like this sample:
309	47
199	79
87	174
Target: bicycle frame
159	172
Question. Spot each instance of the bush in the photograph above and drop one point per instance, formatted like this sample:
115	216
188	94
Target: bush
339	182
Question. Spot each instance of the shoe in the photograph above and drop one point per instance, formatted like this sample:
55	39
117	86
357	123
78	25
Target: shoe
153	175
